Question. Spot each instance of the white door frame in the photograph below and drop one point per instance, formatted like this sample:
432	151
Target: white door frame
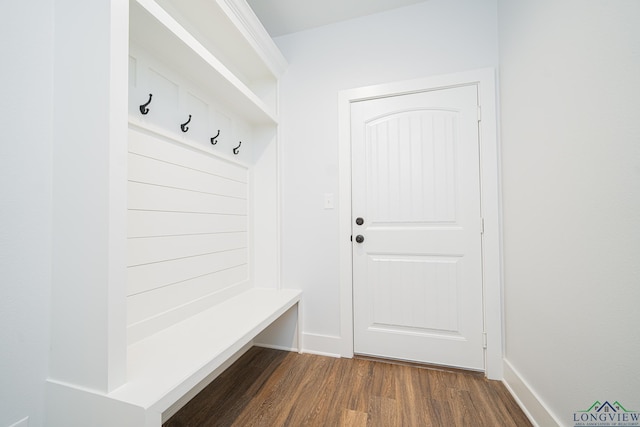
490	202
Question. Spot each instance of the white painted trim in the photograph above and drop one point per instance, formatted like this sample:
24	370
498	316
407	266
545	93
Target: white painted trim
69	405
323	345
252	29
491	203
118	171
527	398
279	193
277	347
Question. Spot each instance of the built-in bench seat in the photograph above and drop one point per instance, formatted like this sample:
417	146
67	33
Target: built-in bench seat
166	366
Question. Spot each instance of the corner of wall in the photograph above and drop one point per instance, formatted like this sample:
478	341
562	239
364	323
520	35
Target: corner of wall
531	404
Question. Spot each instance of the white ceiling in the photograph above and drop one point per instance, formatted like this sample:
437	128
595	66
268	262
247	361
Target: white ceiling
281	17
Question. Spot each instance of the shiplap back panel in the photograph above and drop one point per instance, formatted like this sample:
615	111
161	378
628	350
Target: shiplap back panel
187	232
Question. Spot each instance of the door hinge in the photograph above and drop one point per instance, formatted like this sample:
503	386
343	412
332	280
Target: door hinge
484	340
479	113
481	225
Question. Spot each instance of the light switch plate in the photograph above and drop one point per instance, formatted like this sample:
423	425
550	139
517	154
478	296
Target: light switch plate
328	201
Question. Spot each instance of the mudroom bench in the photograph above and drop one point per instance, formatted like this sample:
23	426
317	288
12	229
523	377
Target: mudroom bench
167	261
168	368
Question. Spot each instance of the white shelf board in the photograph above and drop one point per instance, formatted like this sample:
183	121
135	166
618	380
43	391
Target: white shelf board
231	31
154	30
166	365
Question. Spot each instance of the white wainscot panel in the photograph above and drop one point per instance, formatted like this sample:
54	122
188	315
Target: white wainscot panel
145	144
152	303
157	198
146	277
155	249
159	172
199	112
167	92
150	223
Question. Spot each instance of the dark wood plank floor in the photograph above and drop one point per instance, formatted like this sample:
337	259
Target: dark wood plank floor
276	388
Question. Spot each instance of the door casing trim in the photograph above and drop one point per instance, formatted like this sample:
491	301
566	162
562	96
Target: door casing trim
485	80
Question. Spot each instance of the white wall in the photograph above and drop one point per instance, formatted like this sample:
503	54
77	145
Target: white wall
570	91
433	37
26	99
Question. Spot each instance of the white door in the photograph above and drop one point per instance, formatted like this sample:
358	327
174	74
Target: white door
417	282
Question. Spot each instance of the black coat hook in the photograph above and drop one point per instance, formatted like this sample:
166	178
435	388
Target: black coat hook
237	149
184	126
213	139
143	107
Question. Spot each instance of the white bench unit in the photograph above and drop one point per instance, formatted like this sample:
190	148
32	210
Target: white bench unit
172	268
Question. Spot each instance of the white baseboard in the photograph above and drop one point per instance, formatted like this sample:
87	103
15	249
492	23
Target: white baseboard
277	347
527	399
323	345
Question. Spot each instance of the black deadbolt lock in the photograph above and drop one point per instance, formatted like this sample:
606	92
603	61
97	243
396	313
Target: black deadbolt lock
359	221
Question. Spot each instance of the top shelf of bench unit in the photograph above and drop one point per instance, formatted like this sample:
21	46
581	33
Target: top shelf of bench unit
156	31
230	30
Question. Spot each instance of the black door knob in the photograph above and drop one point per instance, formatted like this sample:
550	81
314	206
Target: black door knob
359	238
359	221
